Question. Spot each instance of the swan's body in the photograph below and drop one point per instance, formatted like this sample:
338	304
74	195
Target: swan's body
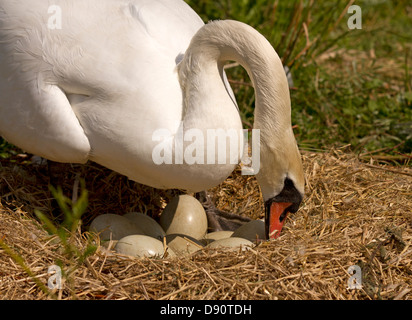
117	70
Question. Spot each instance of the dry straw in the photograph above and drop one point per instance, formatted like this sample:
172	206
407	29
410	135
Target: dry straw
354	213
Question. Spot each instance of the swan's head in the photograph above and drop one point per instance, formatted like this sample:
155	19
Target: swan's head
281	180
281	174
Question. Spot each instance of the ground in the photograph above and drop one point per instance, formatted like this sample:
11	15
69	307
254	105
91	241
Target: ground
354	214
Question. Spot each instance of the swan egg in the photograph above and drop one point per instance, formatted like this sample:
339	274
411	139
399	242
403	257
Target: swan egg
112	226
252	231
147	224
183	244
139	245
231	243
216	235
184	215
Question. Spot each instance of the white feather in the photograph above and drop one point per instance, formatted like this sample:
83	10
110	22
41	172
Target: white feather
118	70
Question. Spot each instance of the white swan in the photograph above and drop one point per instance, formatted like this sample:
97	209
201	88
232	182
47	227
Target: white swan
93	80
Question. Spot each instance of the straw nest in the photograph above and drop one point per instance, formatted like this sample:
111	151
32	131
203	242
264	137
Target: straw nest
354	213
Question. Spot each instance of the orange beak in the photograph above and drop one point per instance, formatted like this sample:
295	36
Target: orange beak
277	216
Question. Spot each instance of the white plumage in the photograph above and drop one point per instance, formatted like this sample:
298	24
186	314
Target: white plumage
117	70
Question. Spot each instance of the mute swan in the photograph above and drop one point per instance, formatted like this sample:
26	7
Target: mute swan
93	80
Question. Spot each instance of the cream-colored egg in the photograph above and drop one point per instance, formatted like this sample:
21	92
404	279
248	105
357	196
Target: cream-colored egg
139	245
231	243
147	224
185	215
109	244
217	235
112	226
252	231
169	253
182	244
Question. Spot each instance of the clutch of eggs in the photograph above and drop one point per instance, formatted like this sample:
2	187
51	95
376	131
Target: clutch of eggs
182	229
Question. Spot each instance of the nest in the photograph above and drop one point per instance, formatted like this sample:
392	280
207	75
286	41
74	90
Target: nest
353	214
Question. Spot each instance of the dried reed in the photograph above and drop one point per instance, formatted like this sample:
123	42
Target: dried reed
354	213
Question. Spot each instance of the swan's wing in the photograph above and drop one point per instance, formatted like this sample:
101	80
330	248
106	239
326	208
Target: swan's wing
103	50
171	24
34	113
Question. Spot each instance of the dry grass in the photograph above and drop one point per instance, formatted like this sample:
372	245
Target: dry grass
354	213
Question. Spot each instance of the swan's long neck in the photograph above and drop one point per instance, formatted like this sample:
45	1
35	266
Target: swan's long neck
220	41
207	101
